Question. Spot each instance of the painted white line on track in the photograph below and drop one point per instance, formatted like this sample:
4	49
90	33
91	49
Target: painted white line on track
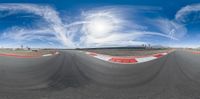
47	55
145	59
103	57
56	53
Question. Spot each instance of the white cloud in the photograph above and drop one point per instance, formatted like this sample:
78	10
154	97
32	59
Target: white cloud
182	14
170	27
22	34
106	26
97	32
48	14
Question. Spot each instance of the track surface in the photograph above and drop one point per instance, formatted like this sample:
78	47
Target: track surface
74	75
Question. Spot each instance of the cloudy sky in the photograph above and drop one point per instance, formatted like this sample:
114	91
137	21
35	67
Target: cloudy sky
99	23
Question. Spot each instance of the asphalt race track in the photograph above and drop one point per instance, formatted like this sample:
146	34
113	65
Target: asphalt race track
75	75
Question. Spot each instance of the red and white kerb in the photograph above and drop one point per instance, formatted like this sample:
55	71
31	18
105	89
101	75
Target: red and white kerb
126	60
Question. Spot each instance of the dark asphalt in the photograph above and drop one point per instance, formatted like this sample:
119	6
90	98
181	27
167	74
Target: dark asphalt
74	75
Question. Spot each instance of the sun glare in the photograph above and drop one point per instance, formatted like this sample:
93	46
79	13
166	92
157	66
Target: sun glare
99	26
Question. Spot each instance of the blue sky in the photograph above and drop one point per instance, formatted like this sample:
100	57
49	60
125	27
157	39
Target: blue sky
99	23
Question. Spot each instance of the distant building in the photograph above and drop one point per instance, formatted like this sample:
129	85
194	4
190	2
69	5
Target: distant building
22	46
27	48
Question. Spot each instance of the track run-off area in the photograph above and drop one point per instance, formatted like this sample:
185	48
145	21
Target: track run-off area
72	74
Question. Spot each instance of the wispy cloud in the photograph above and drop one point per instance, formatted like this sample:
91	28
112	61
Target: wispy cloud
47	13
17	33
123	29
98	27
171	28
182	14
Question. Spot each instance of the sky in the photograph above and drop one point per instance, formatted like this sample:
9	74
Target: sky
99	23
